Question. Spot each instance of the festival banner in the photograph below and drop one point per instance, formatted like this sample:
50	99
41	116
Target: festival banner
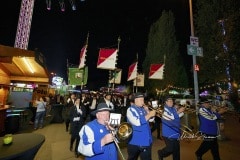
156	71
107	59
116	76
78	76
132	71
82	57
139	81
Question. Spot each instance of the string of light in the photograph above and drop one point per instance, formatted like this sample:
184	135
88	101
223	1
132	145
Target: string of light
62	4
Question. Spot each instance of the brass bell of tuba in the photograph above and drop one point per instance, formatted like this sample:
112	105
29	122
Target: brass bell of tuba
124	132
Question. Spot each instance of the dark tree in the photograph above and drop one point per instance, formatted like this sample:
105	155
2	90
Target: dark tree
162	48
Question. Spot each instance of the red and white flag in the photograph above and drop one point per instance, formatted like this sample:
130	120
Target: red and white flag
156	71
107	59
82	57
132	71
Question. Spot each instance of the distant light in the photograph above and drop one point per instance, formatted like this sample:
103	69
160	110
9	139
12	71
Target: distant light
74	8
48	2
62	5
73	4
57	81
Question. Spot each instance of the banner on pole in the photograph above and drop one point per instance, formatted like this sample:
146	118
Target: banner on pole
156	71
116	76
82	57
107	59
139	81
78	76
132	71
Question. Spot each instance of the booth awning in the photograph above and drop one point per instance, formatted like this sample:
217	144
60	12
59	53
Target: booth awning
23	65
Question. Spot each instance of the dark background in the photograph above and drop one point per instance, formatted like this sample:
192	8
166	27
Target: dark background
61	35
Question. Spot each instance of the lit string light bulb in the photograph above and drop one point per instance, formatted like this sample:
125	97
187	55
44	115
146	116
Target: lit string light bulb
225	49
73	4
48	2
62	5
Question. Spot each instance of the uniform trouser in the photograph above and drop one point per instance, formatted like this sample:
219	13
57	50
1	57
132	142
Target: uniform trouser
143	151
172	147
209	142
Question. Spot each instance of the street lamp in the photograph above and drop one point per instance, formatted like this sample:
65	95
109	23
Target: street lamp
195	77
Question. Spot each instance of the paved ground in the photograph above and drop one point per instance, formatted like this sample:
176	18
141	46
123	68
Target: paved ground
56	145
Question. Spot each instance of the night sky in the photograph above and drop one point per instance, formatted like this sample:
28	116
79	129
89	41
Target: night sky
61	35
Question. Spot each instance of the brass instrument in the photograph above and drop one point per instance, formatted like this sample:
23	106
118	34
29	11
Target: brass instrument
187	133
158	110
122	133
187	108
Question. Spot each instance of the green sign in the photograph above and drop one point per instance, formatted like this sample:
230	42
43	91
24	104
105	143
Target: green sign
194	50
78	76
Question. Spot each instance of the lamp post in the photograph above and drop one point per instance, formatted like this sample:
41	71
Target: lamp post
195	77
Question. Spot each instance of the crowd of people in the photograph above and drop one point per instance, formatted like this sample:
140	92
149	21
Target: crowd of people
87	116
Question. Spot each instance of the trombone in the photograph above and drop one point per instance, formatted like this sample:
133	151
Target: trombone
159	113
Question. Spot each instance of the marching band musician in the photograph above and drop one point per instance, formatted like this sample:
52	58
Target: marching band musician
96	140
141	140
208	127
171	130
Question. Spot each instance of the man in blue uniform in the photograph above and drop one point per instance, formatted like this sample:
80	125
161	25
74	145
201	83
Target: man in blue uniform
141	141
208	127
171	130
96	141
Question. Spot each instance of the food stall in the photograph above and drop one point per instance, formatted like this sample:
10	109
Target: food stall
19	66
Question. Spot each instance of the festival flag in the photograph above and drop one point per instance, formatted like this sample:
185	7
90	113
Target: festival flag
78	76
107	59
116	76
156	71
82	57
139	81
132	71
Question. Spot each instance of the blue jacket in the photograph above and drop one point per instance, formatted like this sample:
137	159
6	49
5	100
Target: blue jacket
171	123
141	130
90	142
208	123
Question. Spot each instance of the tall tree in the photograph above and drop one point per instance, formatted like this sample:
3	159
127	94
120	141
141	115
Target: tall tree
218	29
162	43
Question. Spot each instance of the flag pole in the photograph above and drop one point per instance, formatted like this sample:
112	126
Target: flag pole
114	74
136	76
68	72
83	76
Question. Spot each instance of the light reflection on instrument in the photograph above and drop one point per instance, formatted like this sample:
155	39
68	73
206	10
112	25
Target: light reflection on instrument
121	133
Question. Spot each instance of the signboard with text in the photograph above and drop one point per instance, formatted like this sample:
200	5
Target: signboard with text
194	50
